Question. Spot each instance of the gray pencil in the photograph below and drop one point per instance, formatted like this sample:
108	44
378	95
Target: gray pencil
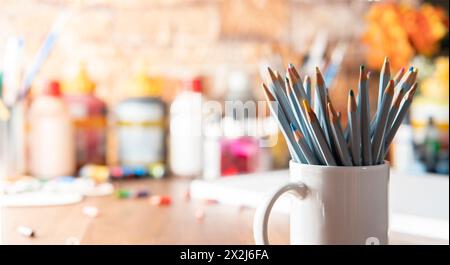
381	122
299	112
323	118
398	79
407	81
296	82
394	108
385	76
339	140
283	125
399	75
307	86
318	135
307	152
353	124
364	112
400	116
281	97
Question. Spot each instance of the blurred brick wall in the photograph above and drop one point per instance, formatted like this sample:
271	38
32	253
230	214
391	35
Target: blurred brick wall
174	38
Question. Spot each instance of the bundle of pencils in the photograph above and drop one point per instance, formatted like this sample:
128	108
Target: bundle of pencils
313	130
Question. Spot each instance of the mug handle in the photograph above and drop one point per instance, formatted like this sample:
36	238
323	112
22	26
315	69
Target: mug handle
261	219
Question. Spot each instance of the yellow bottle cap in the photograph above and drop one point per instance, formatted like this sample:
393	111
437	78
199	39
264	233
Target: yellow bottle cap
142	85
80	83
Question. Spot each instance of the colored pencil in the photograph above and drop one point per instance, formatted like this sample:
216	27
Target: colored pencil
385	76
364	112
400	116
323	117
339	140
381	122
354	131
319	136
307	86
307	152
299	112
399	75
283	124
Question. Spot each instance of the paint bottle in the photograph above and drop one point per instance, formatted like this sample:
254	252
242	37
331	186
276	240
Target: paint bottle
52	140
140	123
89	116
186	130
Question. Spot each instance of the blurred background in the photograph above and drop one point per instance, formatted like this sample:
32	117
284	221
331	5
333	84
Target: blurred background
101	89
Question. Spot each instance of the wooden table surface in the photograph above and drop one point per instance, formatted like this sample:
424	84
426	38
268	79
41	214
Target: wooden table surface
136	221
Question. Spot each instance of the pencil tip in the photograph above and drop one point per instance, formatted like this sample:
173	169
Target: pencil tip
293	127
386	59
352	94
411	68
361	67
268	93
390	88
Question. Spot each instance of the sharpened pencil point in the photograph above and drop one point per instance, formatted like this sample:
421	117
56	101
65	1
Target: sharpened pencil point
351	104
411	68
269	95
293	128
390	88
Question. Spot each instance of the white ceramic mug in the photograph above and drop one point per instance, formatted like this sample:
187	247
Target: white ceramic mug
332	205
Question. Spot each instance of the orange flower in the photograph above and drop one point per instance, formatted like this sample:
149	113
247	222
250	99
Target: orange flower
400	31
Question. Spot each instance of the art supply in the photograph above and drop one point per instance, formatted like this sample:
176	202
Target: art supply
400	116
381	123
352	146
354	139
123	194
299	112
12	66
309	155
90	211
143	193
89	116
52	139
394	108
385	76
26	231
101	173
283	124
140	124
44	52
321	97
160	200
319	136
364	112
186	130
308	88
341	144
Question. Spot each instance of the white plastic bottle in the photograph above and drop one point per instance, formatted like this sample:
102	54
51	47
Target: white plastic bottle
52	141
186	131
